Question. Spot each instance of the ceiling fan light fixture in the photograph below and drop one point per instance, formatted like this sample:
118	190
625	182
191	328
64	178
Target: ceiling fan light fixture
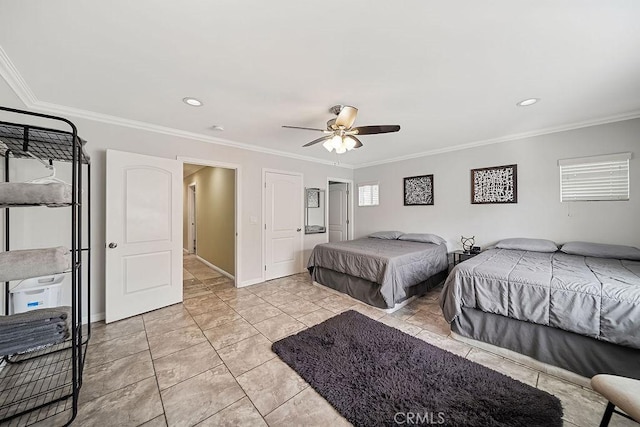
341	150
349	143
336	142
328	145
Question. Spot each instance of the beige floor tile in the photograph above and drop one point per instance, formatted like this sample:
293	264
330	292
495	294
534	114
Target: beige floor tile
504	366
194	293
271	384
258	313
230	333
316	317
307	408
166	311
445	343
156	422
581	407
279	327
191	401
185	364
313	294
367	310
108	351
281	298
336	303
404	313
171	342
240	414
246	354
112	376
300	308
405	327
101	332
219	284
245	300
186	275
203	304
216	317
164	324
227	294
431	322
130	406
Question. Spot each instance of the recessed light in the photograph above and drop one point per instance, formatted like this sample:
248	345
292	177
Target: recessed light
217	127
527	102
192	101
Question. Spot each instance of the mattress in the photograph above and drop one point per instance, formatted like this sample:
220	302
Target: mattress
593	297
395	265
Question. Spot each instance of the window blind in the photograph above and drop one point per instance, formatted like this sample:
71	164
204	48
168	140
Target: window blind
368	194
595	178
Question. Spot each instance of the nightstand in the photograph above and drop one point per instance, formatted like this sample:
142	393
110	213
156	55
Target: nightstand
460	256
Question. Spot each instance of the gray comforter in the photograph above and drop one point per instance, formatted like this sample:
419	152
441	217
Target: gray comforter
596	297
394	264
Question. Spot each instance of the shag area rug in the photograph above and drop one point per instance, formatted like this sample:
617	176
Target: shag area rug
377	375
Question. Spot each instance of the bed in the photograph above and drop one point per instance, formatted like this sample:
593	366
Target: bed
578	309
381	271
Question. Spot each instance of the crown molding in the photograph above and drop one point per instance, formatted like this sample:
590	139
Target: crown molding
508	138
14	79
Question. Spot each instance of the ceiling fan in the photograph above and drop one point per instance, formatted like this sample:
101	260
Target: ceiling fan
340	135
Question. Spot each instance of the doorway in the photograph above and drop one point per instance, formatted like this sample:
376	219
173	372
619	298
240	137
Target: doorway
339	210
210	215
192	234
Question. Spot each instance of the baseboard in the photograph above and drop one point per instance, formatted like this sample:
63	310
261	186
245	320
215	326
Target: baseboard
250	282
218	269
97	317
184	251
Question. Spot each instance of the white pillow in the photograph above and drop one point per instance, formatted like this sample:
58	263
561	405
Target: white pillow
422	238
388	235
600	250
524	244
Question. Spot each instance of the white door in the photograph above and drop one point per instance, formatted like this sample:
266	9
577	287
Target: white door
283	224
191	203
143	258
338	214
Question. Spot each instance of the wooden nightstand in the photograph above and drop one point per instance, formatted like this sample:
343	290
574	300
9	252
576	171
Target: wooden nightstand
460	256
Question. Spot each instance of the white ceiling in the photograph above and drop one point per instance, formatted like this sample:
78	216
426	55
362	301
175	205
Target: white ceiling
448	72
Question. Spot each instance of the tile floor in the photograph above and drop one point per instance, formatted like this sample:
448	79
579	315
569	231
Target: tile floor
208	362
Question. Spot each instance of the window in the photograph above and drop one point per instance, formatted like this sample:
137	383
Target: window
595	178
368	194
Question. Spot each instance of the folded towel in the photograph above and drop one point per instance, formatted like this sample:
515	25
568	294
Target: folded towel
13	332
31	344
25	264
27	193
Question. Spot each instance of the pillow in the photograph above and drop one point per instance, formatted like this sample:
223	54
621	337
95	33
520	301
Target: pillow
600	250
389	235
523	244
422	238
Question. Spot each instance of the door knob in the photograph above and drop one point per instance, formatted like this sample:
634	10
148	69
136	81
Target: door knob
299	229
113	245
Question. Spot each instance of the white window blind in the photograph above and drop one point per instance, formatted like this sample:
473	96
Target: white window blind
368	194
595	178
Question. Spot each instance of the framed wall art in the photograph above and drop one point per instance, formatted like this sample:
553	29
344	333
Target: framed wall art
418	190
496	184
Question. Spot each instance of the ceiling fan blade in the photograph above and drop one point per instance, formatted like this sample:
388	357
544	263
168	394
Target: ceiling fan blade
370	130
358	143
299	127
315	141
346	117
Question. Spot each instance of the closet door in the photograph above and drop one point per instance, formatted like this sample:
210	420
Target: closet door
143	257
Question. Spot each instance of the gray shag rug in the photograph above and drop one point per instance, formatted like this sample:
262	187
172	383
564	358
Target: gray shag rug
377	375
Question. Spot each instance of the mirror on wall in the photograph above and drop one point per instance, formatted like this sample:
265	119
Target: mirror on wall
314	211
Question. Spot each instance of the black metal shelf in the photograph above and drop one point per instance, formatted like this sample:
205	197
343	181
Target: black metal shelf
44	383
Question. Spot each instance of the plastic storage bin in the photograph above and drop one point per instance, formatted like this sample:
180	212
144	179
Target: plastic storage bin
37	292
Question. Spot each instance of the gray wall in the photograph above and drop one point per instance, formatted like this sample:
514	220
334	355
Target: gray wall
538	212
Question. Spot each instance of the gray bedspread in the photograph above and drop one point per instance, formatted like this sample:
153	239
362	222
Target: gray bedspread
394	264
595	297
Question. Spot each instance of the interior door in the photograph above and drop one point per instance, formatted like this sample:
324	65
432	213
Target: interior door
143	258
338	214
283	224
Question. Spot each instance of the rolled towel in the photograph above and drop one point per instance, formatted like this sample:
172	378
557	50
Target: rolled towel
28	193
25	264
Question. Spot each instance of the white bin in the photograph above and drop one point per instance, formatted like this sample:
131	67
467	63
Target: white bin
37	292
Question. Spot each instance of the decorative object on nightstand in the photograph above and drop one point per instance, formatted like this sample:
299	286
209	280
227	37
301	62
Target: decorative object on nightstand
467	243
